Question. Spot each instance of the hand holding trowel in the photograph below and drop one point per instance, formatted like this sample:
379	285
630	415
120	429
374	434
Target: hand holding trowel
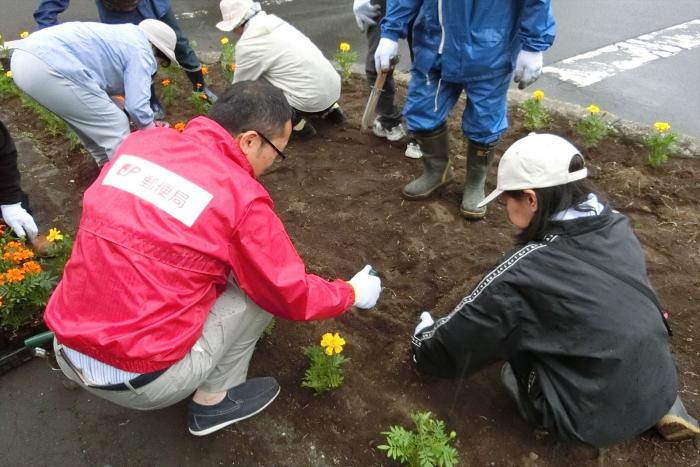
377	89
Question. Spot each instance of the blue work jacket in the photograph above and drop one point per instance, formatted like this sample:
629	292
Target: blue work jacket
477	39
47	12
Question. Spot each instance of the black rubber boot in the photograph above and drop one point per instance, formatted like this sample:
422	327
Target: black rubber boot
156	106
437	167
479	158
197	78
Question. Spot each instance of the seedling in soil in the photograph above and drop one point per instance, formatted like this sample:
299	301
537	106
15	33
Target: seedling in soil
535	116
325	372
227	59
593	127
199	101
427	446
660	143
345	58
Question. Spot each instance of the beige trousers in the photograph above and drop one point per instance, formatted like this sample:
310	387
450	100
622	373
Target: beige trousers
217	362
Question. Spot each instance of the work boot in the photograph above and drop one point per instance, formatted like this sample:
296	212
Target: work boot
479	158
197	78
677	424
335	114
303	130
437	167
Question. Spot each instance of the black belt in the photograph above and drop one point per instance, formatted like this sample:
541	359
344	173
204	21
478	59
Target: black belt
135	383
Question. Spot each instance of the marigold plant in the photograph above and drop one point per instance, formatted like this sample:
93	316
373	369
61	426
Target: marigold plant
593	127
200	101
168	92
180	126
227	59
325	372
660	143
535	116
24	284
345	58
428	446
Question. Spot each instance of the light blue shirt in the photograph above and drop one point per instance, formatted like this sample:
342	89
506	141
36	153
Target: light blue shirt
105	59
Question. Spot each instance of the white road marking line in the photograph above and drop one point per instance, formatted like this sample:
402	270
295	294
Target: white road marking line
590	67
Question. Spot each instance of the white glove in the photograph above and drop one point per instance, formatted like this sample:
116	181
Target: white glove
425	321
386	50
528	68
19	220
365	13
367	288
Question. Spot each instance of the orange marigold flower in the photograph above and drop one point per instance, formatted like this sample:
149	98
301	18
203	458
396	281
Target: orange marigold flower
12	244
31	267
203	96
205	70
2	229
232	67
180	126
14	275
165	83
22	254
0	300
198	85
7	256
2	279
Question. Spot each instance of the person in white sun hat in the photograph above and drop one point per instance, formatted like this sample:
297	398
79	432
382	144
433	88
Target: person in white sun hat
570	309
272	49
73	69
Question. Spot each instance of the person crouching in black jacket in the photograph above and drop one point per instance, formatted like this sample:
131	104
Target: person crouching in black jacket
571	310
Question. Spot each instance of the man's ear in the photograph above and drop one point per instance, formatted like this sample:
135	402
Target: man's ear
247	141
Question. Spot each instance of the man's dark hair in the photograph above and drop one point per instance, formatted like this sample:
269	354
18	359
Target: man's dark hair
252	105
554	199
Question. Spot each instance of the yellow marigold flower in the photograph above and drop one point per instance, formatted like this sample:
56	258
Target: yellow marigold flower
594	109
662	127
180	126
31	267
8	74
538	95
54	235
332	343
165	83
205	70
344	47
24	34
224	40
14	275
232	67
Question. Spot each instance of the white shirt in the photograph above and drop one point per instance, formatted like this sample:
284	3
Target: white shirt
272	49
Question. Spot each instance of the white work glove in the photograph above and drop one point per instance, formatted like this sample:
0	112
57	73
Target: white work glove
386	51
425	321
528	68
19	220
367	288
365	13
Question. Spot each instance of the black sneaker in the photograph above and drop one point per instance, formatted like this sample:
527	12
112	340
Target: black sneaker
303	130
335	115
241	402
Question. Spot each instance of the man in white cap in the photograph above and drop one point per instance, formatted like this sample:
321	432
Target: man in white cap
571	310
272	49
73	69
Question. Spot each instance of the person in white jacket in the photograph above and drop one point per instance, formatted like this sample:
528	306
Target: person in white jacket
272	49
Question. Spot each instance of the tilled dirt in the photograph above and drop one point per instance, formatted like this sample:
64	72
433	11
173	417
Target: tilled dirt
339	197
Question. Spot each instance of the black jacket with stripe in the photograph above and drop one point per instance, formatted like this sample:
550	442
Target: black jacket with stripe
563	311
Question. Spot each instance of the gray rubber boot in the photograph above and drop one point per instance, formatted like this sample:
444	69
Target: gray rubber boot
437	167
479	158
677	424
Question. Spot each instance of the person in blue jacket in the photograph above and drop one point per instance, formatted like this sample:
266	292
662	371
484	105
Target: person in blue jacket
135	11
472	46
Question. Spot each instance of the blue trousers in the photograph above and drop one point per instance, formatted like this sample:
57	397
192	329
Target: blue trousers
430	100
183	51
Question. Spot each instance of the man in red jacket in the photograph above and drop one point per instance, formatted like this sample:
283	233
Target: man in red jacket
179	263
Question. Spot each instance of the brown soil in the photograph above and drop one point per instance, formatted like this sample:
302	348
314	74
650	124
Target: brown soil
339	197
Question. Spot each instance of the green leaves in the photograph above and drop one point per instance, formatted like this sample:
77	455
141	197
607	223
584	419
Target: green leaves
325	372
534	115
427	446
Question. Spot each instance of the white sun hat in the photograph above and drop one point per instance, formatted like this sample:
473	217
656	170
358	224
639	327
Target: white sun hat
233	12
161	36
535	161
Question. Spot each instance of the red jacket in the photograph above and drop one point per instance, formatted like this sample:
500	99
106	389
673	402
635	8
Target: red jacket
162	227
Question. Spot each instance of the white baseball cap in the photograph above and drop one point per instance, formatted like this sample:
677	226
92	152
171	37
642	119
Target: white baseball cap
161	36
233	12
535	161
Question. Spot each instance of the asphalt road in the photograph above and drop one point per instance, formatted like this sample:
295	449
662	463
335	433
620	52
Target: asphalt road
663	89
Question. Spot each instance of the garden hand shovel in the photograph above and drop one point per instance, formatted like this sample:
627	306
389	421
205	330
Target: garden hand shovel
377	89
